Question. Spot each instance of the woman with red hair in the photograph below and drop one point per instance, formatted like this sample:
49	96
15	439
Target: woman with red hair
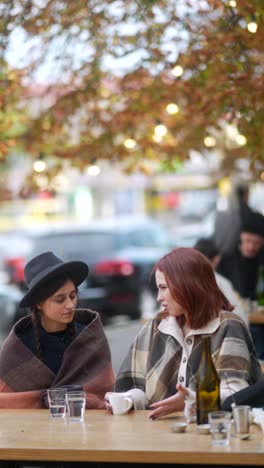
162	362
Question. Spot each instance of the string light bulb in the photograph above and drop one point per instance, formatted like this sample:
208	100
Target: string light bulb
232	3
241	140
93	170
130	143
160	130
209	141
252	27
177	71
39	165
172	108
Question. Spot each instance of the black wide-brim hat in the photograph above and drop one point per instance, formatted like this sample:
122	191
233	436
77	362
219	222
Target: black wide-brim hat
44	267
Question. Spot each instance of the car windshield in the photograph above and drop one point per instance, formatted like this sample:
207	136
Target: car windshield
87	246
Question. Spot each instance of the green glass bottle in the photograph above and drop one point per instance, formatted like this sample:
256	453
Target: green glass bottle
207	384
260	287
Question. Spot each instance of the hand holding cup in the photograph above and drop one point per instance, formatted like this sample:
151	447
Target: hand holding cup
118	403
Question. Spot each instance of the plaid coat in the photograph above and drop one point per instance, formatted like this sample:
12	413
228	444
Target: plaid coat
86	361
152	363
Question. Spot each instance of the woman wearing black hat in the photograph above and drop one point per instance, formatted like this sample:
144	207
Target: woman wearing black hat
56	345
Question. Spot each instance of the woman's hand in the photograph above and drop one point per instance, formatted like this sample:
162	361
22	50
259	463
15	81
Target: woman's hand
171	404
107	403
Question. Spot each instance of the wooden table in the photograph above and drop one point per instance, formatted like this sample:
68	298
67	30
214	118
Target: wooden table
31	435
256	318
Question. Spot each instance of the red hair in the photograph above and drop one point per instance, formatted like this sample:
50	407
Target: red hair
191	280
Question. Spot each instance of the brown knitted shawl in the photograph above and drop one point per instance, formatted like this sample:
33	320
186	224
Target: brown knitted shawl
87	362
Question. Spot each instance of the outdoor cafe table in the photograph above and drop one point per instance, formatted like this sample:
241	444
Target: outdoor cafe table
32	436
257	317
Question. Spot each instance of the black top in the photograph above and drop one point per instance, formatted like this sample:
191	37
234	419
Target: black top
53	344
242	272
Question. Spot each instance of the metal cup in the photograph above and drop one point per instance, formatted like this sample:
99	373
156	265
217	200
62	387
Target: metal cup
241	415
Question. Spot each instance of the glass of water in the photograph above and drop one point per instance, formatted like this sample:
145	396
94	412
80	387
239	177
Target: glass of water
57	404
76	402
219	422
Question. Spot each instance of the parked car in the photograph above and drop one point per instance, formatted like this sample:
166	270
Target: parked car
120	254
10	297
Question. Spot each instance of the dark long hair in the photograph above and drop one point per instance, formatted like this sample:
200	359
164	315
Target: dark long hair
192	284
47	289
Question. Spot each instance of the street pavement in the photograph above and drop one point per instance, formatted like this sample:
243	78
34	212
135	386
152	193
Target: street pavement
121	334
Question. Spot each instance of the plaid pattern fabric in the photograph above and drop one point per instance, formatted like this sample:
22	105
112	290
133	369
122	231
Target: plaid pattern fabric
153	361
86	361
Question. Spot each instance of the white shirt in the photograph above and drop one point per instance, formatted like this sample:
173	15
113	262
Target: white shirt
233	296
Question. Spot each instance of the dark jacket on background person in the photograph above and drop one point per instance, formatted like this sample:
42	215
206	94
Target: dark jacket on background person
242	272
242	266
86	361
228	223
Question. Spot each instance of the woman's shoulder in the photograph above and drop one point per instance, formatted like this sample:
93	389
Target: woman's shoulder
150	327
21	333
89	322
233	325
230	317
86	316
24	326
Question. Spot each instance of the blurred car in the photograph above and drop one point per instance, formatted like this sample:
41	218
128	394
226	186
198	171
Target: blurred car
11	245
120	253
9	307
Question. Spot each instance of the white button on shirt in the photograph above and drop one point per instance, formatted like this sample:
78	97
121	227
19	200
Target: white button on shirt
186	351
170	327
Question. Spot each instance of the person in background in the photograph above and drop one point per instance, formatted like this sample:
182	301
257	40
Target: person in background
228	222
56	345
208	248
243	265
160	366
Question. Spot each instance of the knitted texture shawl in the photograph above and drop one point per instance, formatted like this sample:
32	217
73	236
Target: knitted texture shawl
24	379
153	361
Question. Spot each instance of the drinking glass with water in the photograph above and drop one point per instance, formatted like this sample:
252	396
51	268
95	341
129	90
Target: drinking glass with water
220	427
75	402
57	403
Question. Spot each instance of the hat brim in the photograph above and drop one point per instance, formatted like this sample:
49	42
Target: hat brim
76	270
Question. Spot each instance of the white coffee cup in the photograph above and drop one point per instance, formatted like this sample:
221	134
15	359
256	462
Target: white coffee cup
120	402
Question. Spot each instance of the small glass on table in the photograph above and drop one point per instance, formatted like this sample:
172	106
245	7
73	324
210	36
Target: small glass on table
76	402
57	403
219	422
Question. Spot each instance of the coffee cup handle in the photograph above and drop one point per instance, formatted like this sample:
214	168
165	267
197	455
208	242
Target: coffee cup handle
129	405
